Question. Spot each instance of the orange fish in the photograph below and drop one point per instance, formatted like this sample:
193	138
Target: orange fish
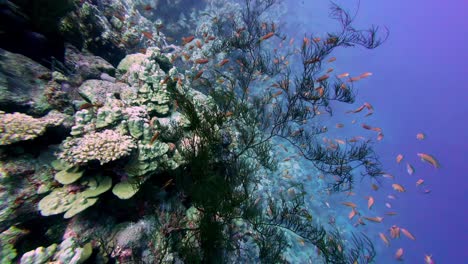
198	43
155	136
313	60
380	136
428	259
340	141
397	187
223	62
339	125
390	213
357	110
394	232
187	39
350	204
376	219
374	187
409	169
148	35
320	91
399	158
323	78
370	202
148	8
384	239
388	175
329	70
419	182
199	74
332	59
352	213
399	254
420	136
343	75
365	75
201	61
407	234
430	159
267	36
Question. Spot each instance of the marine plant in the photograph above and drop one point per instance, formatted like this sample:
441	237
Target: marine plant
232	139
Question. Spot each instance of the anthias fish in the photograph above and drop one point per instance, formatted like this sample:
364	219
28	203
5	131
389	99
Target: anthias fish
430	159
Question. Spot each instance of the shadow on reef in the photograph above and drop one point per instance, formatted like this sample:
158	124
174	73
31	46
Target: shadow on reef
31	28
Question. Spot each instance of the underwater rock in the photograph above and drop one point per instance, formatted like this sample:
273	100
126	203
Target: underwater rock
96	91
22	84
85	64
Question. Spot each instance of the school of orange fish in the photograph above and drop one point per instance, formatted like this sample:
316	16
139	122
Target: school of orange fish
394	231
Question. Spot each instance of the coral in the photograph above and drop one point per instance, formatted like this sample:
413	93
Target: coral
18	127
8	239
70	201
68	175
125	189
67	252
105	146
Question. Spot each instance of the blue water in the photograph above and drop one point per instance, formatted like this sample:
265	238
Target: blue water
419	84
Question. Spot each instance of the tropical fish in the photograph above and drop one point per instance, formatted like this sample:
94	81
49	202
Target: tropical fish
199	74
380	136
430	159
428	259
384	239
352	213
148	35
374	187
198	44
391	213
388	175
399	254
148	8
370	202
407	234
388	205
376	219
187	39
365	75
397	187
332	59
357	110
329	70
391	196
267	36
420	136
155	136
201	61
223	62
343	75
339	125
323	78
394	231
419	182
313	60
350	204
409	169
399	158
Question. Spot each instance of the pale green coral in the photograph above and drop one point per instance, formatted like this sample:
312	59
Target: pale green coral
67	252
69	175
67	200
125	189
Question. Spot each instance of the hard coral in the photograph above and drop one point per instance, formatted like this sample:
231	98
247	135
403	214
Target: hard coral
105	146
